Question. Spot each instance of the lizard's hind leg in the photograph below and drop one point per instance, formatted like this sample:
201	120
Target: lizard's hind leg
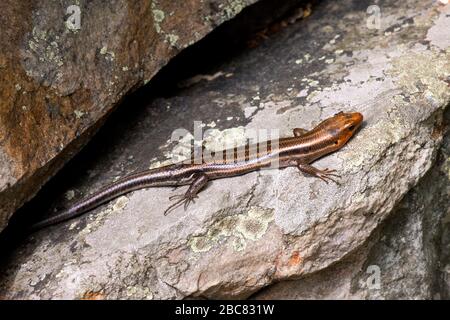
200	181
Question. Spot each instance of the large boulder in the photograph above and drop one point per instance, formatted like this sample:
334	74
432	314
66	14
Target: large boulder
402	259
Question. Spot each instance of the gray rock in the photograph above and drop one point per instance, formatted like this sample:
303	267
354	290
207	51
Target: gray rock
443	282
402	259
247	232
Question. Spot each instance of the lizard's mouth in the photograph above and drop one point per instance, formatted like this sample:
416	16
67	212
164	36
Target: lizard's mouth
357	119
349	124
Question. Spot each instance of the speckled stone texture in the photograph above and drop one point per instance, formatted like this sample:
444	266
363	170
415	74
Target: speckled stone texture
410	250
247	232
59	80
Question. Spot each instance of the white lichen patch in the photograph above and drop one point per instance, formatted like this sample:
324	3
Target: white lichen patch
211	139
312	95
241	228
134	291
302	93
120	203
73	225
157	164
172	39
109	55
212	124
79	114
216	140
69	194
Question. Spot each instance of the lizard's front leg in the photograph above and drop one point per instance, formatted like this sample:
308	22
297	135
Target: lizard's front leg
325	174
199	182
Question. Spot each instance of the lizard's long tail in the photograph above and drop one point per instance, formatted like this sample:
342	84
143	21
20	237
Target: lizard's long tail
172	175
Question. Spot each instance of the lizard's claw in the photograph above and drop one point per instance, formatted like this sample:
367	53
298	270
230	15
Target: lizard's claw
325	174
180	199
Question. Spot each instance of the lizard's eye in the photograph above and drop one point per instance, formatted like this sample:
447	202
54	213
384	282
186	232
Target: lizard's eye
351	128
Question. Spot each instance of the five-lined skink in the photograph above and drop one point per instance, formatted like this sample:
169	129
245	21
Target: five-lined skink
300	151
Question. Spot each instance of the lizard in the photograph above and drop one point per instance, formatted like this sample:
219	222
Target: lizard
299	150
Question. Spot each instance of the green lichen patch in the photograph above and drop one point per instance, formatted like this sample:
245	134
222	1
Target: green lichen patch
241	228
233	8
172	39
423	73
158	15
134	291
45	50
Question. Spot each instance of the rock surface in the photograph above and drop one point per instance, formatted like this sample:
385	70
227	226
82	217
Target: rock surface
247	232
405	252
443	281
61	75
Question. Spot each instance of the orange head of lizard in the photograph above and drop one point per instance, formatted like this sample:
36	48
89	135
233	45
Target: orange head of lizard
342	126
